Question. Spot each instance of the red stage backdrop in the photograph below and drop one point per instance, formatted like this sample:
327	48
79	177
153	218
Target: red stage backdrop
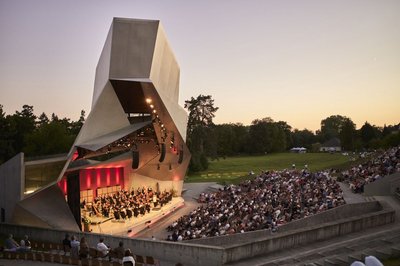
97	177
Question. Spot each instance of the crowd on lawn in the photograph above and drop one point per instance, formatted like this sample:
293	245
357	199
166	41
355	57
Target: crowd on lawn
377	167
271	199
124	204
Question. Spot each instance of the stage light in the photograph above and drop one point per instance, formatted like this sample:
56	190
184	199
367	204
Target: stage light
154	111
151	106
148	100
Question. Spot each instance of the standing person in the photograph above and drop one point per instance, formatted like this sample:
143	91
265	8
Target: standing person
74	247
128	258
66	244
11	244
84	249
102	247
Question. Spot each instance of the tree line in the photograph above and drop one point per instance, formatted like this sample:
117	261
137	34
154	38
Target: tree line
208	140
40	135
34	135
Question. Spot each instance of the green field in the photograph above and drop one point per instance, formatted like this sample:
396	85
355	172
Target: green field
235	169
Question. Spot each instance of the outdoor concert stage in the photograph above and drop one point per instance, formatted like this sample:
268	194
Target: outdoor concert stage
133	138
130	227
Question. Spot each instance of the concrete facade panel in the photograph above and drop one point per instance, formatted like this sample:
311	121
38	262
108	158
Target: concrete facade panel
49	206
12	184
132	48
106	116
102	69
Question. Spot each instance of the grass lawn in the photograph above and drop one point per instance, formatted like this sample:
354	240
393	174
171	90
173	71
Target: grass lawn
235	169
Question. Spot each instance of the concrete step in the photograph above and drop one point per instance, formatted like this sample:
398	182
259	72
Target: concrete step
335	251
393	239
383	254
354	257
343	260
334	262
395	251
369	198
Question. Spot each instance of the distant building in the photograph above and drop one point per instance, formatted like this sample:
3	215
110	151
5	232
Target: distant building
332	145
298	150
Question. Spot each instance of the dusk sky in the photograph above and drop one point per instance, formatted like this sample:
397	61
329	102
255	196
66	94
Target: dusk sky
296	61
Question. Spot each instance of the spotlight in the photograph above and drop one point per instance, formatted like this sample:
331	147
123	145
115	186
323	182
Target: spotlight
151	106
148	100
154	111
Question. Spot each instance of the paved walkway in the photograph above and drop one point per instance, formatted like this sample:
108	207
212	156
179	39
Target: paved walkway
349	196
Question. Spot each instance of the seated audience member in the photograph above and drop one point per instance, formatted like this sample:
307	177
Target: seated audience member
27	242
74	247
128	258
84	249
11	244
66	244
102	248
23	247
119	251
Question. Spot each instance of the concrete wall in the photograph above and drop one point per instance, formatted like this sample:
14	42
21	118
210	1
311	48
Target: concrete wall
383	187
168	253
311	234
12	184
341	212
196	254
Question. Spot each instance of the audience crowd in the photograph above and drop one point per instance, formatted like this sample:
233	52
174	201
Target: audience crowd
269	200
378	166
125	204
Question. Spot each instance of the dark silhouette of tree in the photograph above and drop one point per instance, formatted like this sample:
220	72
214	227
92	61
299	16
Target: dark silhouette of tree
303	138
22	124
200	131
348	134
368	133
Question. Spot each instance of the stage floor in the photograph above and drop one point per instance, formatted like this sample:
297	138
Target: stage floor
130	227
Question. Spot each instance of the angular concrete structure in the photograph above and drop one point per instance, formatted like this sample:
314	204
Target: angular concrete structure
134	135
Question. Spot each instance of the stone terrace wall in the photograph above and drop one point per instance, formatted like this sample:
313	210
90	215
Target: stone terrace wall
189	253
310	234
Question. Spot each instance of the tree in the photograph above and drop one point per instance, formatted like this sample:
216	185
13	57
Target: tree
332	126
303	138
6	148
77	125
267	136
21	124
200	130
348	135
368	133
231	139
43	120
51	138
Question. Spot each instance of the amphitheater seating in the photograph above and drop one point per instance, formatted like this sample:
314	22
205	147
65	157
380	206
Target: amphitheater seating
52	252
